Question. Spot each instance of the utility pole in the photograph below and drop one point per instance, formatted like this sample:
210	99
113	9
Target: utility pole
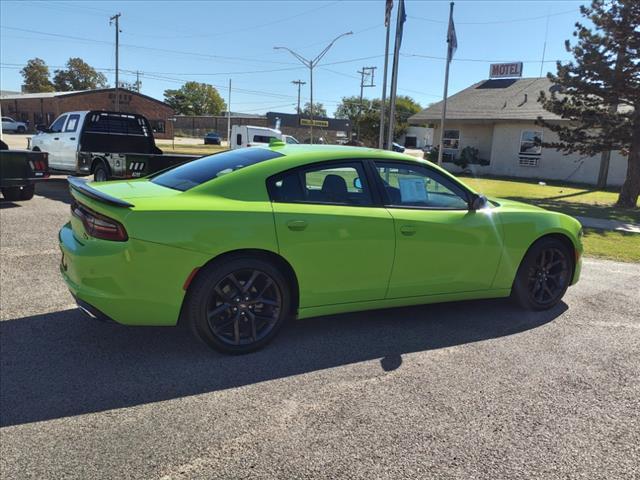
138	81
299	83
116	19
365	73
229	116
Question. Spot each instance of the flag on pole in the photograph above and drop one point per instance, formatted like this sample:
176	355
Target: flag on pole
402	17
387	12
452	40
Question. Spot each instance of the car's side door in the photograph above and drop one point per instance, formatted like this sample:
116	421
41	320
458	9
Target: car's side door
51	143
338	241
8	124
442	246
68	147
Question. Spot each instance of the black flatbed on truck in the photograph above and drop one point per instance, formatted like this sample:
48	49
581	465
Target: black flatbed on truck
19	171
109	145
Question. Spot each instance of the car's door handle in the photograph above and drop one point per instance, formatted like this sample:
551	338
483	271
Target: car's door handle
296	225
56	138
407	230
72	138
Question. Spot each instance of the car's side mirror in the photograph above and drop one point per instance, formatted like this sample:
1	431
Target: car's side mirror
478	202
357	183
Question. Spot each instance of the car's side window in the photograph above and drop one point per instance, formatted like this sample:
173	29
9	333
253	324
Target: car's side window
57	126
72	124
416	186
335	183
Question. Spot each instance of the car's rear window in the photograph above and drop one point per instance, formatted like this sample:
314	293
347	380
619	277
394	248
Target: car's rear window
189	175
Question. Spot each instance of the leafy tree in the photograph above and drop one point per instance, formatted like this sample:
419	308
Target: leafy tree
133	86
318	110
600	91
369	116
36	76
78	75
195	98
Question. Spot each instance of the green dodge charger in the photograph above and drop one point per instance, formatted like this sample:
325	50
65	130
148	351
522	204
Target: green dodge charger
236	243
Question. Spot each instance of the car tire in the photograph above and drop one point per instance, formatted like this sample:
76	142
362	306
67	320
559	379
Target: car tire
544	275
21	129
237	305
100	172
11	194
27	192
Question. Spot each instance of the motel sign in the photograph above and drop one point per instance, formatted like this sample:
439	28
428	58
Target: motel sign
505	70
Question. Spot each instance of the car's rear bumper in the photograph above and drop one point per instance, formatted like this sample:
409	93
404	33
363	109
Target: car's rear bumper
132	282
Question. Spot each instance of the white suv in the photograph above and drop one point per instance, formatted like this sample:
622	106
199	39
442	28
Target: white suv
11	125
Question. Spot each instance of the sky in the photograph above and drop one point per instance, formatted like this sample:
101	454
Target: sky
172	42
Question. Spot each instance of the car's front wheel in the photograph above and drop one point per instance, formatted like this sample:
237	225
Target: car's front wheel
238	305
544	275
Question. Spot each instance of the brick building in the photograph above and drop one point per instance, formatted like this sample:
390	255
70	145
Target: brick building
332	130
43	108
200	125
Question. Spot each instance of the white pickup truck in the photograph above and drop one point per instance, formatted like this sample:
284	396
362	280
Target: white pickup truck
108	145
249	136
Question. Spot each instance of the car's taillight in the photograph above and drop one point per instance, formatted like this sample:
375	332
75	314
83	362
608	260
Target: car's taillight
99	226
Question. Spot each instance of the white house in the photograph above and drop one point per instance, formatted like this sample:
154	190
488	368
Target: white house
498	118
417	137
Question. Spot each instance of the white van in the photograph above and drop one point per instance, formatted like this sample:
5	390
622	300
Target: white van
248	136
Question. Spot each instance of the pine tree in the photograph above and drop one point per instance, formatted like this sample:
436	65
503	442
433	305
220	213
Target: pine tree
599	92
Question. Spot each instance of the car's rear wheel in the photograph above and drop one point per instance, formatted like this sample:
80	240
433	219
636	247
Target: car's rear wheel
100	172
238	305
544	275
27	192
21	129
11	194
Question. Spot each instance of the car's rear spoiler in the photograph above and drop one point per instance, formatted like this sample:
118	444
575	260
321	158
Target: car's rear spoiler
80	185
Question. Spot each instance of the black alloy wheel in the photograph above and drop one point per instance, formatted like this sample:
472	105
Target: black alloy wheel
237	305
244	308
544	275
548	276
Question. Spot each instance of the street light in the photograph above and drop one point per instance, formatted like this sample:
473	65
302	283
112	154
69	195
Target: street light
310	63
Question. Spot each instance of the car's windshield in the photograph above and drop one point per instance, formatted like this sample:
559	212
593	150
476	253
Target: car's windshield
189	175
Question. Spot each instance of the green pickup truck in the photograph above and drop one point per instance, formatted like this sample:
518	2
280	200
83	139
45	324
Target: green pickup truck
19	170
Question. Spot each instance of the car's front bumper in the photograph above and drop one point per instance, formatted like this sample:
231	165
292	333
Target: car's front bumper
132	282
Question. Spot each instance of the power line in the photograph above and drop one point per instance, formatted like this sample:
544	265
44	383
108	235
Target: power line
493	22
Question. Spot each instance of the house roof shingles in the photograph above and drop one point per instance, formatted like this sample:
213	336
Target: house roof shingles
503	99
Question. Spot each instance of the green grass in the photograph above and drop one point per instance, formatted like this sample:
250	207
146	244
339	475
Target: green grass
620	246
576	200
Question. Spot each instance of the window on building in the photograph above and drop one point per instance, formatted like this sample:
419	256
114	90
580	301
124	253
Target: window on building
451	140
531	143
72	124
158	126
37	119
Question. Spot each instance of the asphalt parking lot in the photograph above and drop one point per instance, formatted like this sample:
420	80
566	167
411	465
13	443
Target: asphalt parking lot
467	390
